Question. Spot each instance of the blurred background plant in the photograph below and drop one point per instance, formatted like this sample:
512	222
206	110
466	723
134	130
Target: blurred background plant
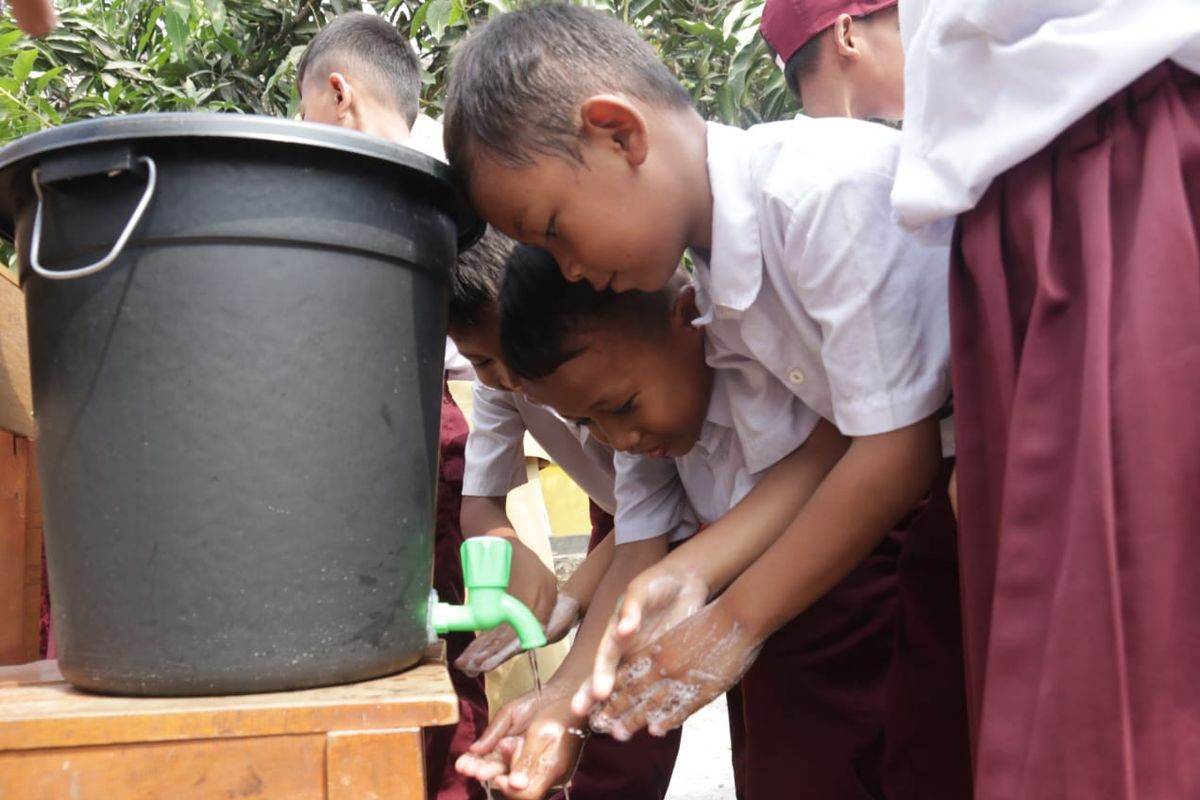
127	56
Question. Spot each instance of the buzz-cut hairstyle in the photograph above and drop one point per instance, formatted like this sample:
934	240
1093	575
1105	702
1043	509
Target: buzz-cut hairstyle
542	313
370	45
475	280
517	82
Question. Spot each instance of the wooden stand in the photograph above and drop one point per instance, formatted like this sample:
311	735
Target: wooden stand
356	742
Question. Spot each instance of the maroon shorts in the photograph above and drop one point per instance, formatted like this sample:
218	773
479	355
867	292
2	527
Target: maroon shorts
926	745
813	702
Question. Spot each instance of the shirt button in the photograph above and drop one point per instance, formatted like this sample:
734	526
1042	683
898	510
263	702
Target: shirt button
796	376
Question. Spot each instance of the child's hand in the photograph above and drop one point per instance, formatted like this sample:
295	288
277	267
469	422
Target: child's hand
493	648
656	600
510	721
531	746
684	669
488	766
548	753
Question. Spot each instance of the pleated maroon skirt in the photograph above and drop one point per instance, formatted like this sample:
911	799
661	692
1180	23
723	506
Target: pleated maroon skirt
1075	310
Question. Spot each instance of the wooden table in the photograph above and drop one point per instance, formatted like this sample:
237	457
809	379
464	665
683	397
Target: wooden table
356	742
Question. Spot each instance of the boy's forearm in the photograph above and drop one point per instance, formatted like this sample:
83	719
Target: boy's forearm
628	561
723	550
485	516
584	581
878	481
530	580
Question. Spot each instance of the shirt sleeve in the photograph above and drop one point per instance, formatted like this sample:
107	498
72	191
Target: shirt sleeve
650	500
879	299
495	451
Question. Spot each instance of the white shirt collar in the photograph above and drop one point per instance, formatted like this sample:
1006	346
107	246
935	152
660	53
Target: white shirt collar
736	251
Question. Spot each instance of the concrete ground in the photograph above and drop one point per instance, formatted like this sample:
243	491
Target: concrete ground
703	770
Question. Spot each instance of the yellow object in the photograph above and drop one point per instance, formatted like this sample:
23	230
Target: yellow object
566	503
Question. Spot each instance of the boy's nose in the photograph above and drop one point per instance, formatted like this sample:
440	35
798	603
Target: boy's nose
573	270
626	440
512	380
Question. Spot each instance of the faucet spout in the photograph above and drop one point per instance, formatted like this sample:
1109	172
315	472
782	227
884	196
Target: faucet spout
529	630
486	561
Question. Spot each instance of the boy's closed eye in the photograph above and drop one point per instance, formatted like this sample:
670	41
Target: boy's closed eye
551	230
625	407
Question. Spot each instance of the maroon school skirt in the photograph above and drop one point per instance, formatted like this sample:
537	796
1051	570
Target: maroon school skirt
1075	312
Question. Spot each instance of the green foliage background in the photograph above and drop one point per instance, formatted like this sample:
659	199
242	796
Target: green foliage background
127	56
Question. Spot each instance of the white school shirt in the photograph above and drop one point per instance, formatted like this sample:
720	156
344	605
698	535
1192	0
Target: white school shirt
719	470
495	463
809	276
989	83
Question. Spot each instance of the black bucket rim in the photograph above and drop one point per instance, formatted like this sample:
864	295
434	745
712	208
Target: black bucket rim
241	127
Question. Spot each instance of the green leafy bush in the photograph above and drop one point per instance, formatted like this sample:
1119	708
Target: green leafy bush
128	56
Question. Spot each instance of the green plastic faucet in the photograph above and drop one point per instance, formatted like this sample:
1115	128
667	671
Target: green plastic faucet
486	561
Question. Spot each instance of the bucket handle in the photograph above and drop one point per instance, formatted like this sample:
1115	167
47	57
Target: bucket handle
114	253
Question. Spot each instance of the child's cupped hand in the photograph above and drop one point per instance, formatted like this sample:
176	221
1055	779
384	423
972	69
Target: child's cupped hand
531	746
683	670
491	649
657	600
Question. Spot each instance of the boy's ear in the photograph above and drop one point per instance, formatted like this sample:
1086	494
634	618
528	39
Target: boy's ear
845	37
343	92
684	310
612	119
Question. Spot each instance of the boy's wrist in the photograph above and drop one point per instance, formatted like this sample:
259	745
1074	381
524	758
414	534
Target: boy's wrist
747	609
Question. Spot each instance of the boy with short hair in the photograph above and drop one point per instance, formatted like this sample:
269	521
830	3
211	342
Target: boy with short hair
494	466
358	72
587	145
631	367
841	58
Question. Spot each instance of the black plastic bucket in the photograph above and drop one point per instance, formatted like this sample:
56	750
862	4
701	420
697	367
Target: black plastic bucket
236	335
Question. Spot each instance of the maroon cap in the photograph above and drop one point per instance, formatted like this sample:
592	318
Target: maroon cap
788	25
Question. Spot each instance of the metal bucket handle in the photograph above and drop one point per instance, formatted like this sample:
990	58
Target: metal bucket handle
115	252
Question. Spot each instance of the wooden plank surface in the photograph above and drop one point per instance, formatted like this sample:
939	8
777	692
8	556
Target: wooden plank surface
41	715
375	765
14	622
33	558
280	768
16	394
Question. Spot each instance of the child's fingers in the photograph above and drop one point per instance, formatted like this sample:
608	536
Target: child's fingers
494	732
582	701
604	668
481	769
674	708
651	703
630	613
537	767
488	651
509	649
